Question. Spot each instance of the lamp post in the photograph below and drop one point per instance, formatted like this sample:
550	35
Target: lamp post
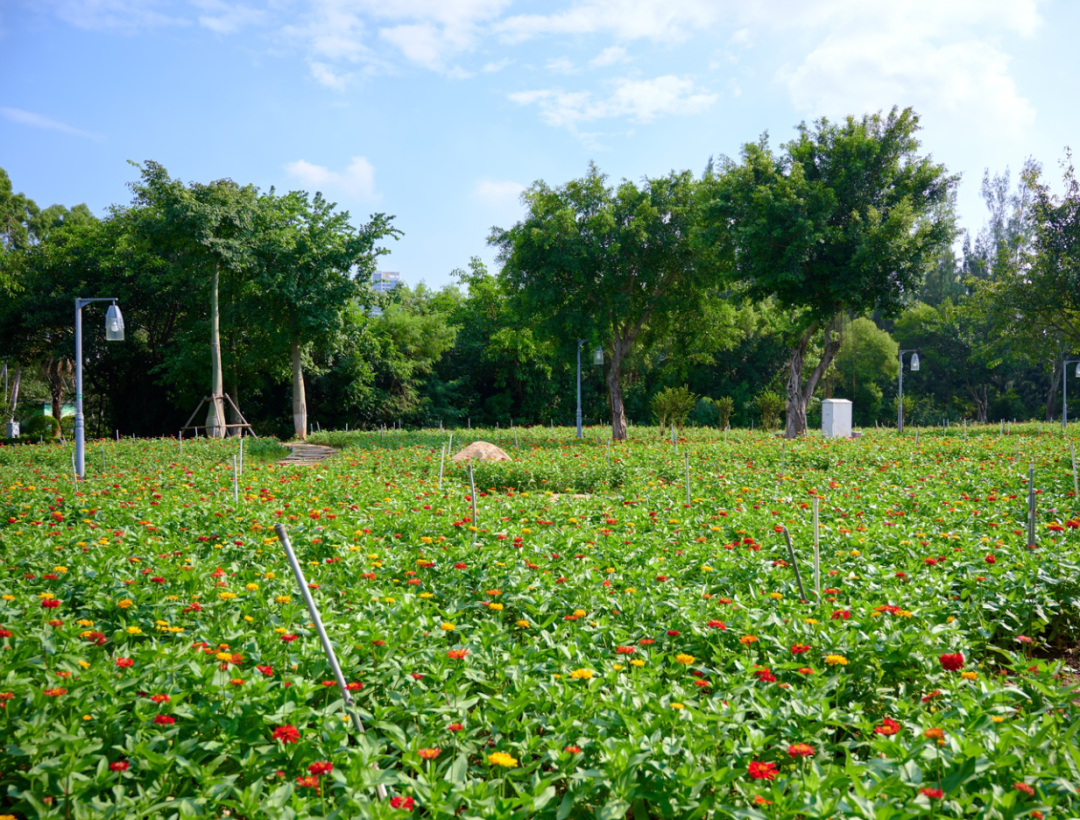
114	332
580	342
900	392
1065	390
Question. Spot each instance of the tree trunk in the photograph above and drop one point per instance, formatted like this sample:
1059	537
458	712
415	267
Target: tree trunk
1052	388
299	400
799	394
618	411
15	392
215	416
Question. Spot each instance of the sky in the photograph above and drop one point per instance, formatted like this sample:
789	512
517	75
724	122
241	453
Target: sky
441	112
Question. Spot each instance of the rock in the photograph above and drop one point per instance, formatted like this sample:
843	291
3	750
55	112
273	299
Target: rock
480	451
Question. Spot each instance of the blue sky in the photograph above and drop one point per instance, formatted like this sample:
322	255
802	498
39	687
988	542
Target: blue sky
441	111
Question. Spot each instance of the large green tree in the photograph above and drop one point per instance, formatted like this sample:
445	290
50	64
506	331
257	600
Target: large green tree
846	217
209	228
617	265
312	264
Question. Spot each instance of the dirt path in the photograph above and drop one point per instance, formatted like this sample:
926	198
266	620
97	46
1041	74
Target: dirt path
306	455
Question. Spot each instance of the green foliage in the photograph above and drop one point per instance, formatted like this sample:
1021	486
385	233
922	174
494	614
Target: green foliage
724	405
672	405
42	425
865	367
771	406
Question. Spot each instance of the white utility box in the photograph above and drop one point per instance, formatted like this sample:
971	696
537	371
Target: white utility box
836	418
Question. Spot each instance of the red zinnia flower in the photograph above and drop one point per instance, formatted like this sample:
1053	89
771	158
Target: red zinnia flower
289	638
625	650
717	625
124	663
402	802
933	794
119	766
762	771
320	767
574	750
455	727
673	633
1025	788
952	662
990	559
806	670
762	801
457	654
429	754
287	734
266	670
50	603
308	782
841	615
55	693
931	695
159	698
799	648
887	727
164	720
800	750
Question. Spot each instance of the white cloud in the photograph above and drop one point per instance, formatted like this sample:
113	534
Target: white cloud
670	20
609	56
502	195
942	58
325	75
495	67
428	33
119	15
560	65
226	18
639	100
21	117
356	181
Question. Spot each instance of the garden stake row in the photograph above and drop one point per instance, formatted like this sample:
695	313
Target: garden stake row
817	549
686	456
1031	504
442	460
1076	492
301	583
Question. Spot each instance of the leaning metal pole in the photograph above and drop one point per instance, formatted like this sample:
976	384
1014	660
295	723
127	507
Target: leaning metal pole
80	433
301	582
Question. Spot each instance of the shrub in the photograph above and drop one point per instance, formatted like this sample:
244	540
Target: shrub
771	406
672	405
42	426
724	407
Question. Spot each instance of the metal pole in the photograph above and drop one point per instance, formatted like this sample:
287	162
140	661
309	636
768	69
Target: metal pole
1031	503
579	344
686	457
817	552
472	495
298	573
900	397
442	460
80	433
795	564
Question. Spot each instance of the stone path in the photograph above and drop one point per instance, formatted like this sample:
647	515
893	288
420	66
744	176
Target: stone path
306	455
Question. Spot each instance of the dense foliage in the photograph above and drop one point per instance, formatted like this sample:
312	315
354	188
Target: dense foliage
601	641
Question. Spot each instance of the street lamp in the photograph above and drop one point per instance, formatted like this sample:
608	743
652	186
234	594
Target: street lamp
900	392
1065	390
114	332
580	342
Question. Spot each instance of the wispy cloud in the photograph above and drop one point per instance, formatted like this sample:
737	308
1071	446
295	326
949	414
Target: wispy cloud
668	20
500	195
228	18
34	120
357	181
609	56
128	16
639	100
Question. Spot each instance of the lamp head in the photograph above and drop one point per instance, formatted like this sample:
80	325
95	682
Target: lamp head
914	361
114	324
598	356
1078	370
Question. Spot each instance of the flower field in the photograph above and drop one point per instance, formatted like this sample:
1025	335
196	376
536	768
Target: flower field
591	645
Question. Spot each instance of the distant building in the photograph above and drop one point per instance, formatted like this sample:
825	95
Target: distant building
384	281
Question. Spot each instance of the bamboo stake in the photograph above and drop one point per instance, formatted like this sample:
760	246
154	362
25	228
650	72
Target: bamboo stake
472	495
817	552
794	563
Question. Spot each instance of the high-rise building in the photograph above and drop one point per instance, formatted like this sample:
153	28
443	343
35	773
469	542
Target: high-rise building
384	281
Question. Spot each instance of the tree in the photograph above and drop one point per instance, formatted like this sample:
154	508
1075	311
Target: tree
312	264
208	226
847	217
619	265
867	361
